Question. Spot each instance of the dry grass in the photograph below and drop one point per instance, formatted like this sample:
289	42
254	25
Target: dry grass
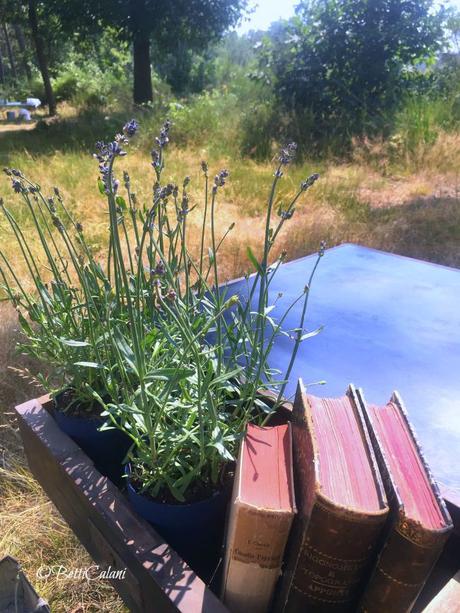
410	208
31	529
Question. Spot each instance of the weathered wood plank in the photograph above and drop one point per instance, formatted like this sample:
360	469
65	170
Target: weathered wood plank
157	579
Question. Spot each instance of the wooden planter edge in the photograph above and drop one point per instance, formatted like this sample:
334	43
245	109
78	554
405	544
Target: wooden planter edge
156	579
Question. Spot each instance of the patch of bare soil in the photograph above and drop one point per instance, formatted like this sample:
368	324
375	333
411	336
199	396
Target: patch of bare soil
7	126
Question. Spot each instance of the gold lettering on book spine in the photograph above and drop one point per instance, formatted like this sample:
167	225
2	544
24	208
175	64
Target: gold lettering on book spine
327	578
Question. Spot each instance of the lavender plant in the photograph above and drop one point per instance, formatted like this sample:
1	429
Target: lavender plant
61	317
151	336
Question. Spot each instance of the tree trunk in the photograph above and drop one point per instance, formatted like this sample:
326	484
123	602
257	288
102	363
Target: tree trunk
140	33
14	74
41	56
142	72
2	76
18	32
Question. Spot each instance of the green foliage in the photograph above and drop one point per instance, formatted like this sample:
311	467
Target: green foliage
259	129
185	70
210	118
421	119
223	64
182	24
343	61
94	72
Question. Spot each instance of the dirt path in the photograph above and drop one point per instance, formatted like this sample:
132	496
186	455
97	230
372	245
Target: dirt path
6	127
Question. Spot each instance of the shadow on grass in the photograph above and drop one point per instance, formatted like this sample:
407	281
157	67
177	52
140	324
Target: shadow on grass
75	133
424	228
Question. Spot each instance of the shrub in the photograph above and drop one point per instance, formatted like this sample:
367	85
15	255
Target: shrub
211	118
344	60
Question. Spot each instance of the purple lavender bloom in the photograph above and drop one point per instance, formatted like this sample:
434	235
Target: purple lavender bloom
130	128
171	295
219	179
105	154
17	186
185	209
166	191
287	154
114	149
309	182
155	158
58	224
159	269
163	138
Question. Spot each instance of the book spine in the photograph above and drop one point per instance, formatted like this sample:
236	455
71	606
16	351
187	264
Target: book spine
402	568
329	564
255	554
409	551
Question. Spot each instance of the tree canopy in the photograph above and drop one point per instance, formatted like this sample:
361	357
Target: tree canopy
342	62
196	23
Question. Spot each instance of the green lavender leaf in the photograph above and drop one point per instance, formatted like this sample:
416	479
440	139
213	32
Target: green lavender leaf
90	365
73	343
253	259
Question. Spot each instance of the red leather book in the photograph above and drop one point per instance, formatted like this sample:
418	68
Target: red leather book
341	506
261	514
419	523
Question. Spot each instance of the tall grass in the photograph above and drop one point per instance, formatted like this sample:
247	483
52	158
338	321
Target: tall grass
419	124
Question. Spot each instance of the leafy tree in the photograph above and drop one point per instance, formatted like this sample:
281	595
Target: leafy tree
42	59
196	23
42	28
185	70
453	29
339	65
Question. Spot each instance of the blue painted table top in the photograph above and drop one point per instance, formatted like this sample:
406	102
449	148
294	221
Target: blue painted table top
390	322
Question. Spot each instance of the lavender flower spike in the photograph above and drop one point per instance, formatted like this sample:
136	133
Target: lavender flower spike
130	128
287	154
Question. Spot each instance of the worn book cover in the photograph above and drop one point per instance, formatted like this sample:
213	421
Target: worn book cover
261	514
419	523
341	506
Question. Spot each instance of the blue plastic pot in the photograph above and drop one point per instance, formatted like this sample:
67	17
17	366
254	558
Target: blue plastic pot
195	531
107	449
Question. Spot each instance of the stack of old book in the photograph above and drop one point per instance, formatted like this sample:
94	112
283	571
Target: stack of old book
335	511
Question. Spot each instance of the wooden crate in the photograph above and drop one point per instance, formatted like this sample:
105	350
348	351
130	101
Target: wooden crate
157	580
